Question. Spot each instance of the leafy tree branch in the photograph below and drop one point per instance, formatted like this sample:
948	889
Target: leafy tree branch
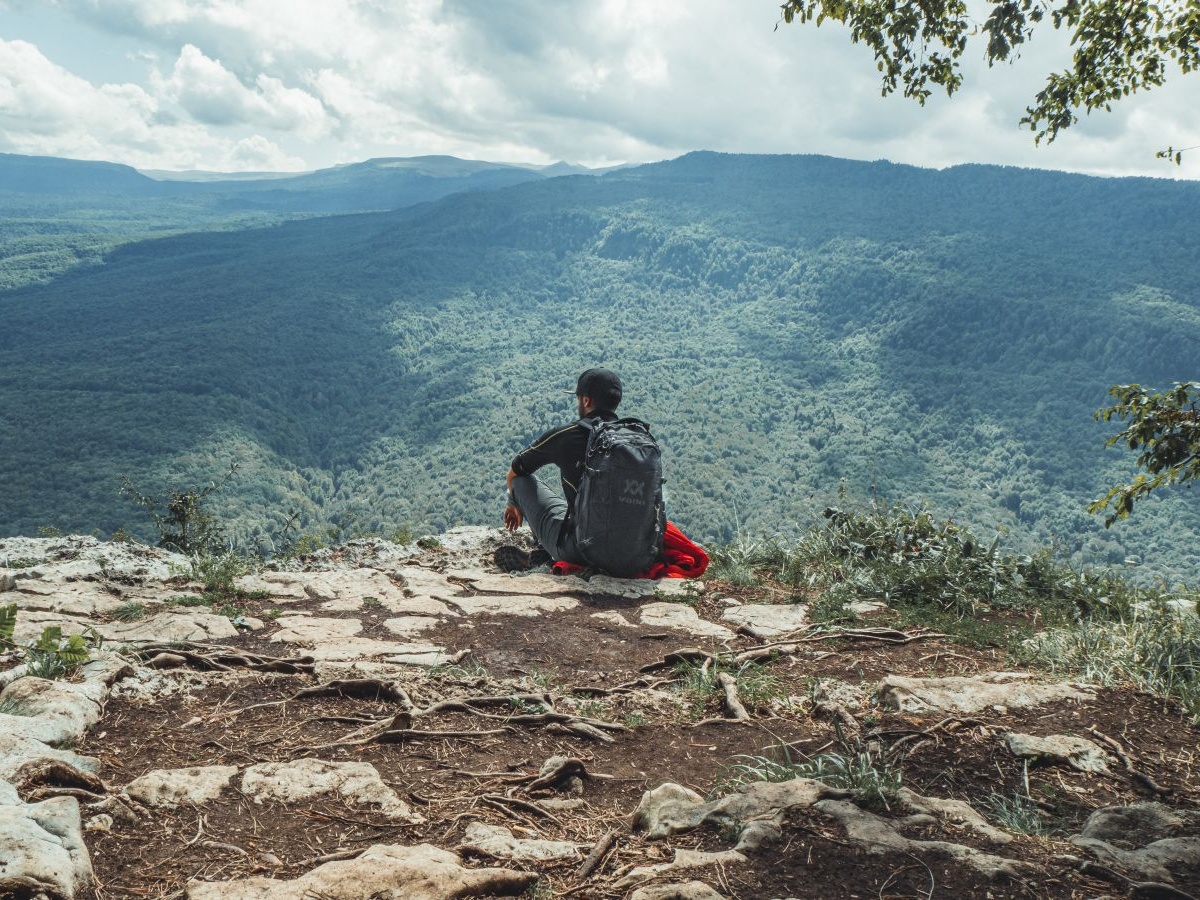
1120	46
1165	428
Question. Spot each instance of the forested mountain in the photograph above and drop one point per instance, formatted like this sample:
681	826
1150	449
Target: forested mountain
56	214
801	331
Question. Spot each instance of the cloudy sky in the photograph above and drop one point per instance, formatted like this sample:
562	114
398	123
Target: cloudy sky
230	85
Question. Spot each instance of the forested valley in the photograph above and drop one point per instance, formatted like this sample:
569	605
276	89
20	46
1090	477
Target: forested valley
800	331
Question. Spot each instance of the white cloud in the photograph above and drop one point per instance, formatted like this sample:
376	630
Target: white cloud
213	95
327	81
45	110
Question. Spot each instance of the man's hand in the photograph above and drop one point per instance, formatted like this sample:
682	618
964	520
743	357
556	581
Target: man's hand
513	517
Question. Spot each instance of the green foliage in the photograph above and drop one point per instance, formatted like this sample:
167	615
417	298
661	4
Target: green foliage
1119	47
51	655
218	572
21	562
698	682
184	523
1017	813
874	781
129	611
1152	646
8	625
1165	430
186	600
10	707
903	556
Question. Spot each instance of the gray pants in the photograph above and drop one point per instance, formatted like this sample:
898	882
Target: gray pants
545	511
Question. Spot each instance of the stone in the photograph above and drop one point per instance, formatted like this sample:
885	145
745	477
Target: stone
174	787
170	627
56	712
16	752
1010	690
386	872
527	605
955	811
1150	839
304	779
691	890
499	843
666	810
681	618
683	860
760	811
613	618
878	835
1064	749
310	630
406	626
8	581
42	853
766	621
866	607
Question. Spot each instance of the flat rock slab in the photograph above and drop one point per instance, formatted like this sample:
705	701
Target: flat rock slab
336	640
422	872
304	779
691	890
174	787
342	591
681	618
76	598
997	691
1063	749
767	621
498	842
526	605
184	625
80	556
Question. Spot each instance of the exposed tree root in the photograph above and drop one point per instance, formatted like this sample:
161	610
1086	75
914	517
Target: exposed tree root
1140	777
596	857
213	658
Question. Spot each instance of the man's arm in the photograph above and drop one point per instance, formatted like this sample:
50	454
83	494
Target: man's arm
512	513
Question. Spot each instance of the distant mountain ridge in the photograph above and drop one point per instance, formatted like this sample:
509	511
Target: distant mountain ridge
801	332
374	184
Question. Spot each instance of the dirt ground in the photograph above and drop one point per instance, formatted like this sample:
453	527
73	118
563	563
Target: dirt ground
661	730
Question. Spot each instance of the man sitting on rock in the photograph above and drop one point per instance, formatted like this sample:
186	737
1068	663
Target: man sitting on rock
550	515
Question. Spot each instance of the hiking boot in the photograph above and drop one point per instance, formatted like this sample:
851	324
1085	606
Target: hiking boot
513	559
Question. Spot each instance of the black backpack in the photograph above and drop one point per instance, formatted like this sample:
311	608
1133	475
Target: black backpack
619	514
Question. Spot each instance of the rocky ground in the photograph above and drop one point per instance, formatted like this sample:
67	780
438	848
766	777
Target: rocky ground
401	721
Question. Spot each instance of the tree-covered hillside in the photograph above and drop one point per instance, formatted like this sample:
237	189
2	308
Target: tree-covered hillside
56	214
795	328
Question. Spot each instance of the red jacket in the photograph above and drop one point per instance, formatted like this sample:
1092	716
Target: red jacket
681	559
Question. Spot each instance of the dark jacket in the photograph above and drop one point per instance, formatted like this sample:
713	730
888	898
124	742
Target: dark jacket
564	447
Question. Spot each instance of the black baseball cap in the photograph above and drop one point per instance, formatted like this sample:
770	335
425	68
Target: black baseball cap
602	385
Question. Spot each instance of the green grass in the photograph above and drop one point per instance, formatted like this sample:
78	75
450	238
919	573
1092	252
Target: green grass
1017	814
873	780
186	600
1156	649
129	611
21	562
9	707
